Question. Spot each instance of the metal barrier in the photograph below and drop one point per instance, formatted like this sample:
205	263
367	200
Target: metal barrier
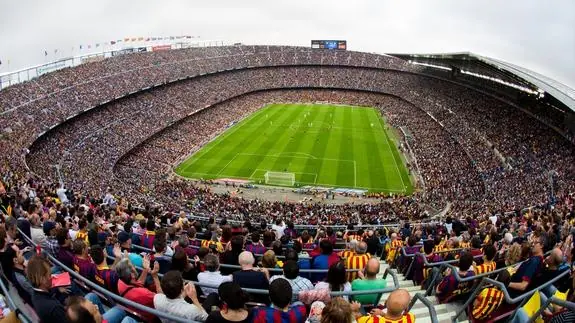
523	298
427	303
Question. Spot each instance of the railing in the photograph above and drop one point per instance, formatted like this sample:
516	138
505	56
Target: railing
10	302
427	303
552	300
521	299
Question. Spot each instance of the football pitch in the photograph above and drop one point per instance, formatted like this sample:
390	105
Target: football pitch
317	144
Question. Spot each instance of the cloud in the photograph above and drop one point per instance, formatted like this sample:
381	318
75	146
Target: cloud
539	35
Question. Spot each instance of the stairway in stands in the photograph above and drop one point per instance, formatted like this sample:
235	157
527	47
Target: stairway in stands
444	311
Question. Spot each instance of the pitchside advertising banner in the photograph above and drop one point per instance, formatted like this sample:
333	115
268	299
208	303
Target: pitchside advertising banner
161	47
329	44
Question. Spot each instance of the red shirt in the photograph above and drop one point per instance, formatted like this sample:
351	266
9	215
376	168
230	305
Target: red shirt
140	295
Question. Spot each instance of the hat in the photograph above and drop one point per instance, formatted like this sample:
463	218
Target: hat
48	226
123	237
102	236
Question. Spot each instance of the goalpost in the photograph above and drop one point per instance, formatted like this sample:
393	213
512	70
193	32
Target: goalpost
279	178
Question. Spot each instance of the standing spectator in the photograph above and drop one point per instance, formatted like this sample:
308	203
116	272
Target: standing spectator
368	281
280	311
212	275
291	274
172	302
233	309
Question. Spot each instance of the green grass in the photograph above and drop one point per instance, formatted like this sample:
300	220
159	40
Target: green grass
324	145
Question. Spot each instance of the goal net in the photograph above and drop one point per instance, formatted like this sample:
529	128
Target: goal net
280	178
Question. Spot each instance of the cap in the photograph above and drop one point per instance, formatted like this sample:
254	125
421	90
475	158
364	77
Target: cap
123	236
48	226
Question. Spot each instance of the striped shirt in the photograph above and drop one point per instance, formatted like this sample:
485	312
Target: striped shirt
485	267
148	239
85	267
107	278
355	262
295	314
407	318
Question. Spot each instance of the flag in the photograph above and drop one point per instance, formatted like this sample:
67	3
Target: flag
153	38
112	42
148	39
0	62
45	53
119	41
188	37
140	38
55	51
80	47
172	37
89	46
126	39
97	45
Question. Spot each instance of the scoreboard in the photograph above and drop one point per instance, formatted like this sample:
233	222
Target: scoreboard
329	44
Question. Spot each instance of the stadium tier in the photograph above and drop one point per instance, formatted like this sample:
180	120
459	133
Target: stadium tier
92	191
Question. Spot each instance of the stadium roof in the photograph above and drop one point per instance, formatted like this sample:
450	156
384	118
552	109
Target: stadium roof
507	72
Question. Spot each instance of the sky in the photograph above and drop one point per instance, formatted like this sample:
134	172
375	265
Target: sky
538	35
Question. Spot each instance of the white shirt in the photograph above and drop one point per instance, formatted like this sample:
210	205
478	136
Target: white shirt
325	285
179	307
279	229
61	192
212	278
298	284
493	219
37	235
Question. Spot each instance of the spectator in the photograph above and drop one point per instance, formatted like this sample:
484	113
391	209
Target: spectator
252	277
212	275
181	263
105	276
449	286
324	260
297	283
171	300
373	243
269	260
358	261
335	281
90	310
280	311
37	234
279	228
233	307
231	256
256	247
18	269
337	310
134	290
83	265
50	244
396	306
488	264
149	236
65	254
48	308
125	242
368	281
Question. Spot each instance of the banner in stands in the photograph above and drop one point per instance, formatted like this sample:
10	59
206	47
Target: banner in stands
141	49
161	47
50	68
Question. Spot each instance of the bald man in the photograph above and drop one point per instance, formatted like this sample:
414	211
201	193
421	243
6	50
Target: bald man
396	304
367	281
357	261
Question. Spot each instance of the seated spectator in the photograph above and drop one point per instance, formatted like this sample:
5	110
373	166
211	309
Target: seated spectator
396	306
476	247
212	275
420	272
256	247
65	254
105	276
280	311
269	260
36	233
83	265
150	235
160	255
134	290
291	274
184	243
449	286
89	310
488	264
335	280
18	278
336	310
172	302
393	248
233	308
368	281
44	302
350	249
529	270
50	244
181	263
125	242
357	261
554	266
252	277
324	260
231	256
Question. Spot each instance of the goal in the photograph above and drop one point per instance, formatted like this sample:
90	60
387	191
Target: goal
280	178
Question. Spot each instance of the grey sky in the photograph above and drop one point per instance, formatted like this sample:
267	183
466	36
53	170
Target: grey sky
539	35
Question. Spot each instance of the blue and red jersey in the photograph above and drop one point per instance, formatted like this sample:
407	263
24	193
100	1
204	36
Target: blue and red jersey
256	249
107	278
85	267
148	239
295	314
449	286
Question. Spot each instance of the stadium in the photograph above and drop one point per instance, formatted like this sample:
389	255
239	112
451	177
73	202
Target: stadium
447	165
